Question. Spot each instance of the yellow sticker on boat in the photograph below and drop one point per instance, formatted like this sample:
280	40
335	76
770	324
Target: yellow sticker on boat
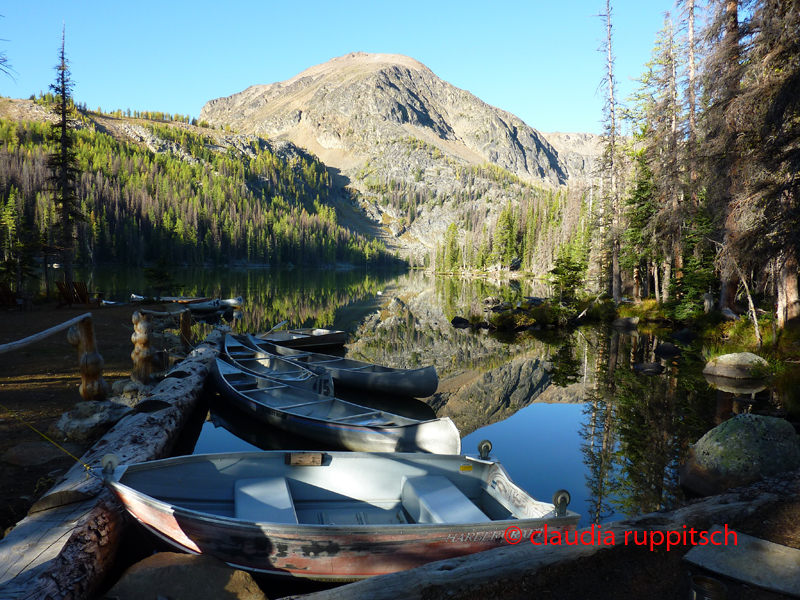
466	467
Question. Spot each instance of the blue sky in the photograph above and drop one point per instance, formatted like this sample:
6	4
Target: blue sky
537	59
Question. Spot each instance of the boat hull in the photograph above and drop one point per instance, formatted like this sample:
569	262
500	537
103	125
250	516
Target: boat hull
438	436
306	338
418	383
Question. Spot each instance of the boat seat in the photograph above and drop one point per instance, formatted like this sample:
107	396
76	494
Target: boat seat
265	500
435	499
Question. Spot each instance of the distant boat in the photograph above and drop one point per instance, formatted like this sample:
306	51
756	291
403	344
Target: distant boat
233	302
173	299
331	420
186	299
419	383
207	306
333	515
307	338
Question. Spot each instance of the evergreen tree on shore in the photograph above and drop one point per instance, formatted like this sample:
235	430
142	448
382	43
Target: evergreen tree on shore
62	162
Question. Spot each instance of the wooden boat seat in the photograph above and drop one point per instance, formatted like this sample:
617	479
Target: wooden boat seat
435	499
266	500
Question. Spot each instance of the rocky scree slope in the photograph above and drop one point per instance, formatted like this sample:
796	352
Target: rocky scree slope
385	121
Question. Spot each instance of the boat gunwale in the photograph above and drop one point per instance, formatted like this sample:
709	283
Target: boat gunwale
327	423
322	529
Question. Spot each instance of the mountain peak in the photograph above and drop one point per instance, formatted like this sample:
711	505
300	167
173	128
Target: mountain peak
348	109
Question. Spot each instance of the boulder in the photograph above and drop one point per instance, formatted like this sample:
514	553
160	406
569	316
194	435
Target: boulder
89	421
460	323
534	300
184	577
130	393
667	349
729	314
625	322
684	336
741	365
739	452
491	301
649	368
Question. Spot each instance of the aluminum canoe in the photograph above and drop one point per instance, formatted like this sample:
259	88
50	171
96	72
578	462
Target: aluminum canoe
306	338
331	420
245	358
349	372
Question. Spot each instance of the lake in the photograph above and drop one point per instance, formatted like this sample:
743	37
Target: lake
564	409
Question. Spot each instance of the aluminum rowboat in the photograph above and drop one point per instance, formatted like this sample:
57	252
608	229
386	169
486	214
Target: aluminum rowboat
336	516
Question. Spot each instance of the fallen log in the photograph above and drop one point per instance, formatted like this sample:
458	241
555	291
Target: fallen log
65	546
486	568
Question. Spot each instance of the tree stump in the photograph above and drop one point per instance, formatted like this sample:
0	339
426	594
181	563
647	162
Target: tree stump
90	363
708	302
142	354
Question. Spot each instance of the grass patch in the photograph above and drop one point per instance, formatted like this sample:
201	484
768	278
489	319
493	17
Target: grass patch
512	320
646	310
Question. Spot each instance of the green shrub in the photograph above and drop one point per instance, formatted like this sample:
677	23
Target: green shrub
511	320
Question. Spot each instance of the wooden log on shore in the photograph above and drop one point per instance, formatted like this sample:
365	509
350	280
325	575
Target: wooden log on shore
65	546
488	567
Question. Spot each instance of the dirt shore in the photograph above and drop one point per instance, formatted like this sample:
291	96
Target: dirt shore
39	383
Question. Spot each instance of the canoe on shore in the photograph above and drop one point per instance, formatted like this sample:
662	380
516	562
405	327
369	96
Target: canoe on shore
349	372
331	420
307	338
333	515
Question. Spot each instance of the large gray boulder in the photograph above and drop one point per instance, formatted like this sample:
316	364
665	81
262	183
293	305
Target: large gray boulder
739	452
741	365
89	421
184	577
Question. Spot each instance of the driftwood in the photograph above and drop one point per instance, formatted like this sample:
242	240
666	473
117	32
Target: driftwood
65	546
93	386
515	561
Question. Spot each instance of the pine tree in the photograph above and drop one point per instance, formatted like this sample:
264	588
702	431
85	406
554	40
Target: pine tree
63	163
721	84
611	210
764	114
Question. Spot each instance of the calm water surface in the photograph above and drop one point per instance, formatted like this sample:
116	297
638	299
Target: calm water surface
563	409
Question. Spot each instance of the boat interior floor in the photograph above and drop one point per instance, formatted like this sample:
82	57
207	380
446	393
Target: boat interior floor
429	499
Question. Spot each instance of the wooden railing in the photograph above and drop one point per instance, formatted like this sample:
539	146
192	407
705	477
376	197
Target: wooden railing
90	363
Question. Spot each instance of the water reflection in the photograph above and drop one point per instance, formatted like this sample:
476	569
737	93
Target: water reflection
563	408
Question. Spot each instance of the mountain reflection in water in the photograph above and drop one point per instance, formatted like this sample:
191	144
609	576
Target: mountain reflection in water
563	408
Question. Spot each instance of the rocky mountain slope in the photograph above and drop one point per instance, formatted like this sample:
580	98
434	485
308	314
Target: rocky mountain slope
352	108
386	121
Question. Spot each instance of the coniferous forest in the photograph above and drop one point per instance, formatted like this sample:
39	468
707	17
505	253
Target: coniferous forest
701	193
201	204
695	195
